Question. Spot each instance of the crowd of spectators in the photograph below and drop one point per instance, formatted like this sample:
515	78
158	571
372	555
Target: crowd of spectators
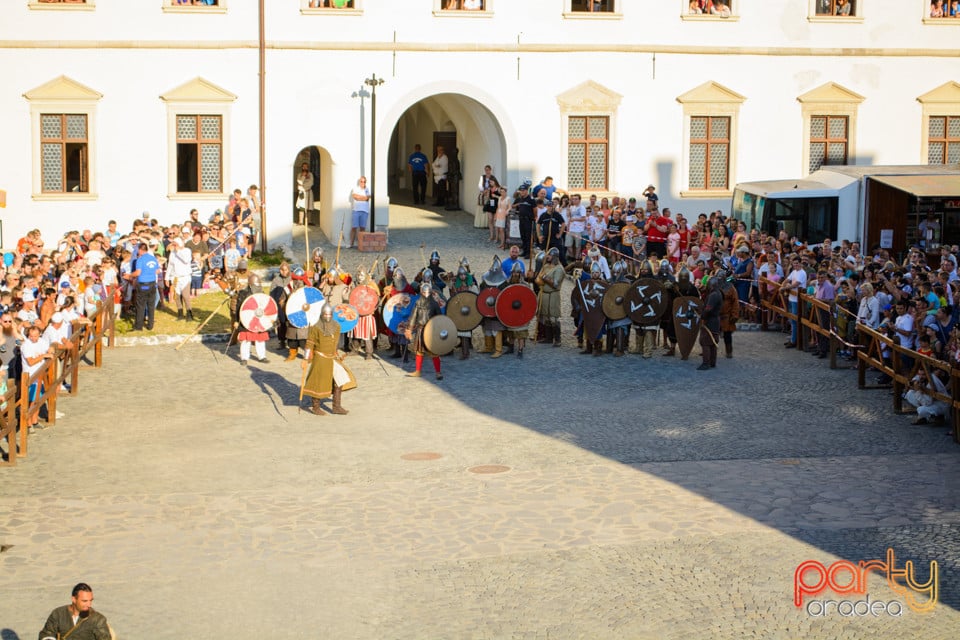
45	290
945	9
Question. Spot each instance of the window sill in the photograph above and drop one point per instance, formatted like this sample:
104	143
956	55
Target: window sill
64	197
317	11
592	15
955	22
700	17
61	6
194	9
835	19
718	193
221	197
462	14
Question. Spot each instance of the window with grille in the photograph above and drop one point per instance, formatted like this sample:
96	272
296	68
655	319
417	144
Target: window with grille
587	150
842	8
709	152
199	154
63	151
943	140
828	141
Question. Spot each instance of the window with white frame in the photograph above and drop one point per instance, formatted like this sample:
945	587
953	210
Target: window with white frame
940	135
711	115
829	141
198	115
710	9
829	115
197	6
62	4
588	115
63	117
331	5
592	8
835	9
941	12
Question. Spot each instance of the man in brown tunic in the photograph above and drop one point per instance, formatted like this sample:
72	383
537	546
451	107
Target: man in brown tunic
322	341
77	620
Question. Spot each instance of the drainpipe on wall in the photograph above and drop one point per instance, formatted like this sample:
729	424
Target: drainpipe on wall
263	133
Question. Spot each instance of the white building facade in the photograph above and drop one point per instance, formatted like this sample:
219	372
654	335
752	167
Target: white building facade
114	107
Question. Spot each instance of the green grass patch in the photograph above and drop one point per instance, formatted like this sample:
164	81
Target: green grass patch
260	260
166	323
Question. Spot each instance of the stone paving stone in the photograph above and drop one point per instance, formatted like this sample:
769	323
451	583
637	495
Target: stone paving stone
644	499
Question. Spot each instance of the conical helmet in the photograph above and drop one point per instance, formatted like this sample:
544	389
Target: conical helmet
494	276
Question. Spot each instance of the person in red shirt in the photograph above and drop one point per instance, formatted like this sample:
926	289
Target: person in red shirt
656	231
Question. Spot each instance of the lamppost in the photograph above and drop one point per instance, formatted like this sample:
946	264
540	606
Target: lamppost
373	82
362	93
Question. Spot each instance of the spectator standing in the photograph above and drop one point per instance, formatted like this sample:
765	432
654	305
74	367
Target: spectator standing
305	193
144	275
794	282
360	210
417	163
439	167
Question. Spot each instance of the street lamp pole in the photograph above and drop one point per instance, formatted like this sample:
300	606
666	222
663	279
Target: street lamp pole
373	82
362	93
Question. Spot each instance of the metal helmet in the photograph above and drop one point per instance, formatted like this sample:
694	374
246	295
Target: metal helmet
587	261
494	276
333	273
326	312
539	260
683	275
435	257
298	271
665	267
553	255
465	263
462	271
426	289
362	276
619	268
517	268
594	252
646	268
392	264
318	254
399	280
253	281
426	275
596	271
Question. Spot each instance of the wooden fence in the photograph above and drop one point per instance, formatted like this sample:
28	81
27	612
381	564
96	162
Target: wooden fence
18	408
819	318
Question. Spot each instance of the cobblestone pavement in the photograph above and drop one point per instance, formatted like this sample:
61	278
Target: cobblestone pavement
642	499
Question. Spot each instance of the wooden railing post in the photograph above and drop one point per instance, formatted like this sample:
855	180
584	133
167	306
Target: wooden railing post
98	335
24	411
897	384
955	409
51	388
832	328
802	337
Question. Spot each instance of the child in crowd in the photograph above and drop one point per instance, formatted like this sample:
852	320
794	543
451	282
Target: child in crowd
196	274
673	244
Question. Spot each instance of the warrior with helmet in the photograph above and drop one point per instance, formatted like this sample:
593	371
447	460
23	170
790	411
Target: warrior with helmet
279	287
428	305
647	334
296	338
464	282
492	327
434	274
519	334
618	331
366	329
729	311
710	324
247	336
336	292
550	279
665	275
580	273
595	345
319	268
390	284
400	340
320	380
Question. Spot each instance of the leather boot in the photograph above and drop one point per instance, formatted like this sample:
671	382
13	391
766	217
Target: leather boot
406	353
598	348
396	351
337	407
315	407
189	314
671	350
292	355
487	345
179	314
588	349
610	342
557	334
728	348
542	332
498	342
464	350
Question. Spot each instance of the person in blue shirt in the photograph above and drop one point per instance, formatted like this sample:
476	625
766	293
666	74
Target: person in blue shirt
418	168
512	260
144	276
547	189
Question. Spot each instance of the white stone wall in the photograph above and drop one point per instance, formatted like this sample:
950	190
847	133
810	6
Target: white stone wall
122	50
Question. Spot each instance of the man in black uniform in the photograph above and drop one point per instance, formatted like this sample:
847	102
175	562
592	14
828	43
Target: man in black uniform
524	205
710	324
550	227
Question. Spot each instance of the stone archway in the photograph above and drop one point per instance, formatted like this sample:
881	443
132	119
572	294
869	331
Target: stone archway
320	164
447	116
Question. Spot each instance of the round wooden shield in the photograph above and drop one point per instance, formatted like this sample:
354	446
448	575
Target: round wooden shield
258	313
645	302
516	306
613	301
487	302
347	315
365	299
462	309
686	323
303	307
591	301
398	309
440	335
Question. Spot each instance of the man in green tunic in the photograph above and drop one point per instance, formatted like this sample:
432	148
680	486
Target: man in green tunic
77	620
550	279
320	382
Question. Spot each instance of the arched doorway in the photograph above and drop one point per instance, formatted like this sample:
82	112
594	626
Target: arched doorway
319	198
462	125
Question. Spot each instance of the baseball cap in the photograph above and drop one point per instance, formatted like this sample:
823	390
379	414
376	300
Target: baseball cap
152	242
65	284
145	215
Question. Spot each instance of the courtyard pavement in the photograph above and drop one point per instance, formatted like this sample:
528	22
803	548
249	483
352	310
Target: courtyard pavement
557	496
